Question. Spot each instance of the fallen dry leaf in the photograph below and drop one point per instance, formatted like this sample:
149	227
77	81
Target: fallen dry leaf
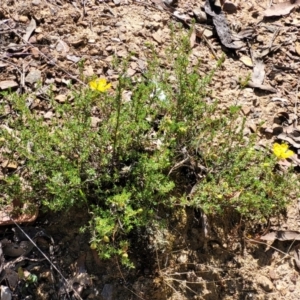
182	17
281	9
247	61
281	235
221	25
297	48
29	30
289	139
62	47
61	98
73	58
263	87
48	115
9	164
6	84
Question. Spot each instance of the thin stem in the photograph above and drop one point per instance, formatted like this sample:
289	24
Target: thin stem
118	101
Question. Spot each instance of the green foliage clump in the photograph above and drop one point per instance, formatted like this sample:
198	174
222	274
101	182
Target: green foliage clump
129	166
244	180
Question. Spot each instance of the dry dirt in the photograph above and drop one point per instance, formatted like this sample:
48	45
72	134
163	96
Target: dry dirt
41	44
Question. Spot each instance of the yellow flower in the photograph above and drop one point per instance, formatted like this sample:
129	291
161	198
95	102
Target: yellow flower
282	151
99	84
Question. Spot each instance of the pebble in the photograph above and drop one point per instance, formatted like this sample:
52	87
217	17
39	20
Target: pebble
265	283
229	7
23	19
48	115
182	259
5	293
33	76
246	110
200	15
95	121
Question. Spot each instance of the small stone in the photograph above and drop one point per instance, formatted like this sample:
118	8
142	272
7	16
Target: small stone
12	165
292	288
130	72
88	71
246	131
62	47
38	30
229	7
35	52
200	15
95	121
279	78
33	76
40	37
246	110
294	276
36	2
260	38
5	293
23	19
61	98
48	115
208	33
95	51
251	125
273	275
157	36
182	259
265	283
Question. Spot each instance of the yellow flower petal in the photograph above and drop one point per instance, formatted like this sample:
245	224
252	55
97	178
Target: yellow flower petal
100	85
282	151
277	149
287	154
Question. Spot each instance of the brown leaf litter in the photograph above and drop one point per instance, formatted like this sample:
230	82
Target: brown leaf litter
43	42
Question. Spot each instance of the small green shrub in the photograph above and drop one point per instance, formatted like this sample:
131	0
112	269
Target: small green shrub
129	166
244	180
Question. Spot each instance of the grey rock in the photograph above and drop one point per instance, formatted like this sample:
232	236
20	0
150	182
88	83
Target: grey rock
33	76
5	293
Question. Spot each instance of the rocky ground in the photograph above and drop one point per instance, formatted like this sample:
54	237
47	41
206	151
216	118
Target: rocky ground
41	44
